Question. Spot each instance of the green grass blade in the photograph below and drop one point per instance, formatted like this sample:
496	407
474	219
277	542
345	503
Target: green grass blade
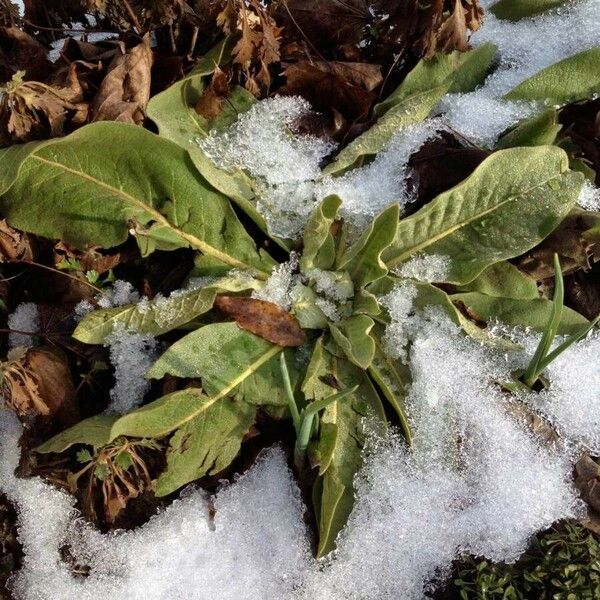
534	369
568	342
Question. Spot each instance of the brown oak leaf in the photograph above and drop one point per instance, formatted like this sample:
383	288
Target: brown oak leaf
265	319
125	90
344	86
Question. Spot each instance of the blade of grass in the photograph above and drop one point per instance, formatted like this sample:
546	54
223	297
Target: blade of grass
533	370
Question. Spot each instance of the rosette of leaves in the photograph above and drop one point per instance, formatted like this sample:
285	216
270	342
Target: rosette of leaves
335	319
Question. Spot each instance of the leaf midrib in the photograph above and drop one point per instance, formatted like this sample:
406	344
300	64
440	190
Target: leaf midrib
446	232
192	240
253	367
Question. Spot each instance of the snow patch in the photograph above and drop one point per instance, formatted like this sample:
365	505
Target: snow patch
425	267
26	318
131	355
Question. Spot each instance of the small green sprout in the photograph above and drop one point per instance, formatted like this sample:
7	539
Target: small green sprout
305	420
543	356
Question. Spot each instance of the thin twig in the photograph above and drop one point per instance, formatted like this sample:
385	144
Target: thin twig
57	271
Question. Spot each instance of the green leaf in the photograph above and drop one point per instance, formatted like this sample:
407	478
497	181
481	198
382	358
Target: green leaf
393	379
574	78
352	336
11	159
319	245
305	308
539	130
503	280
174	110
514	10
337	452
511	202
95	432
464	71
514	312
407	111
160	315
206	444
237	186
229	360
363	259
94	186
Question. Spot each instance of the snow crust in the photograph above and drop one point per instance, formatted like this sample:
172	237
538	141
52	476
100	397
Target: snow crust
476	480
25	317
131	354
287	165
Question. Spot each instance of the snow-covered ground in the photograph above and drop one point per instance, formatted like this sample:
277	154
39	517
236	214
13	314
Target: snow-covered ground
477	480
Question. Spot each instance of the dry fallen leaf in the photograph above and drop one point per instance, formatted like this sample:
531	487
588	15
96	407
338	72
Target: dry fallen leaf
14	245
265	319
344	86
209	105
31	110
37	381
125	90
21	52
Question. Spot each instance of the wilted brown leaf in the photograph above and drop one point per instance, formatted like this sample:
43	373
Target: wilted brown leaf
31	110
21	52
344	86
452	35
125	91
258	45
209	105
571	244
265	319
14	245
90	259
37	381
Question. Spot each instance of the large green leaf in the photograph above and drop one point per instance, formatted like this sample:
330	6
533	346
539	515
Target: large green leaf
237	186
363	259
11	159
95	432
574	78
512	201
503	280
107	179
160	315
519	312
407	111
514	10
174	110
539	130
337	451
229	360
206	444
464	71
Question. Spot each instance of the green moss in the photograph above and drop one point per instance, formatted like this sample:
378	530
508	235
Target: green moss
561	564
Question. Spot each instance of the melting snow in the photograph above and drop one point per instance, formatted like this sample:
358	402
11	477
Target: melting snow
476	480
26	318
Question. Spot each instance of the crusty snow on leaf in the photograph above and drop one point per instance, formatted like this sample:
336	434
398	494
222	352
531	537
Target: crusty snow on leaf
476	480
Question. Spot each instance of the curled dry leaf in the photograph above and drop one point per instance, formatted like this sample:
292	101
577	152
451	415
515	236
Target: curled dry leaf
14	245
259	40
344	86
125	91
21	52
31	110
38	381
90	259
265	319
209	105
